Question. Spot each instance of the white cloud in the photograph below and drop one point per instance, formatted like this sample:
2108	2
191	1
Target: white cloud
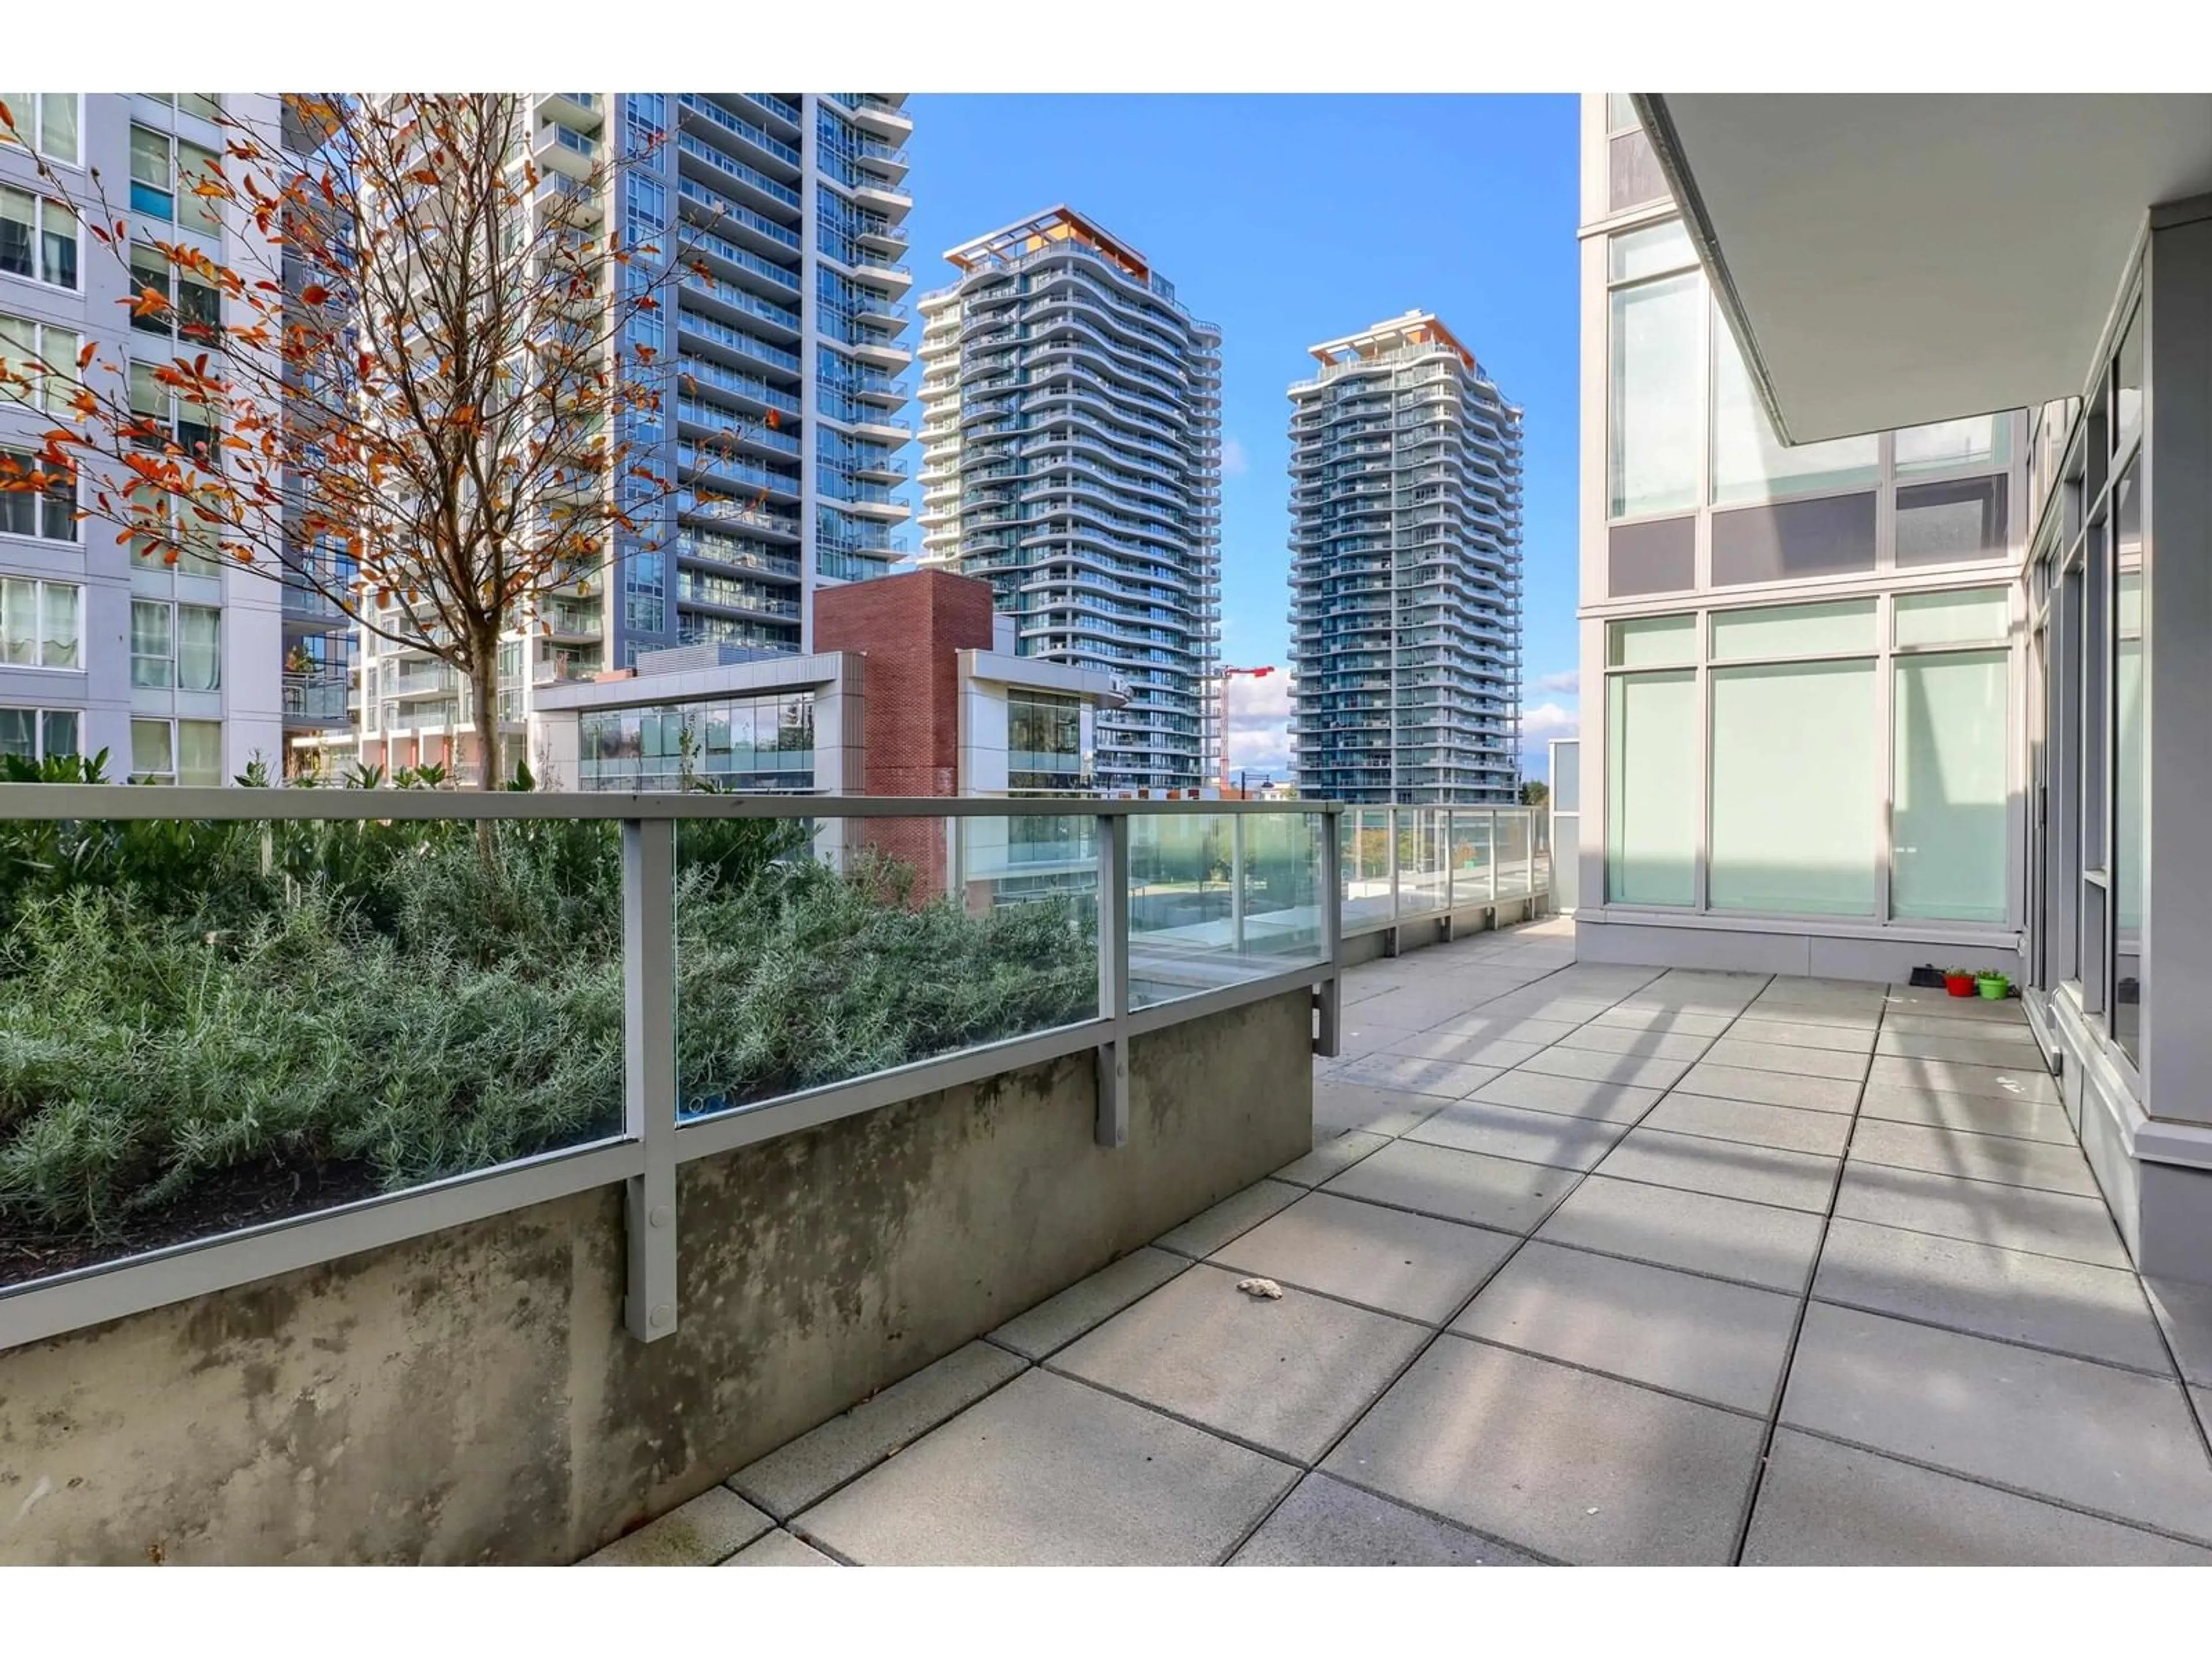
1568	685
1259	712
1234	461
1547	720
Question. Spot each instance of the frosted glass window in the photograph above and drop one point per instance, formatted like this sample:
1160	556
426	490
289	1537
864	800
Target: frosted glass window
1980	441
1797	789
1957	519
1969	616
1650	641
1620	112
1651	795
1635	254
1947	827
199	752
1793	630
1654	555
1658	396
1750	464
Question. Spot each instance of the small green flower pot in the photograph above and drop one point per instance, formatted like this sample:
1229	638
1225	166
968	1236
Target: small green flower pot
1995	987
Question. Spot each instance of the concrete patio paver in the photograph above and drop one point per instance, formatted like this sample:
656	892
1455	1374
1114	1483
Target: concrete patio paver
1053	1324
1900	1275
1413	1266
1470	1187
1481	1126
1566	1464
1722	1237
1048	1471
1792	1128
1723	1343
1286	1375
1982	1213
1758	1175
2115	1442
1824	1504
801	1472
1326	1523
2041	1301
710	1528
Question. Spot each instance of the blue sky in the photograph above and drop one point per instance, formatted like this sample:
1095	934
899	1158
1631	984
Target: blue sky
1290	220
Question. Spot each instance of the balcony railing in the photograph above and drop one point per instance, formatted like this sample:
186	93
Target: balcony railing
759	137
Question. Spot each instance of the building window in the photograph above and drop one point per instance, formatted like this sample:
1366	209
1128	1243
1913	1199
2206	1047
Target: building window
1794	822
163	418
208	105
1657	402
1823	535
47	514
1947	445
1842	627
1651	797
763	743
1947	821
176	647
165	173
47	122
1044	742
1751	465
38	364
188	752
38	238
194	314
41	623
1949	522
37	735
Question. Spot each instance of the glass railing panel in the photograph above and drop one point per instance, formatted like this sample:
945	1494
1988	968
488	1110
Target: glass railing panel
817	951
1512	851
213	1025
1422	861
1193	882
1364	835
1471	840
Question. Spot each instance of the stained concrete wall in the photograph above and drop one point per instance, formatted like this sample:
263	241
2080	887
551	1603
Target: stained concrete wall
472	1396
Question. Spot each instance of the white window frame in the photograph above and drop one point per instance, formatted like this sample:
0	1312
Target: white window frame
176	190
1885	655
75	537
37	274
31	119
40	586
52	399
39	715
170	727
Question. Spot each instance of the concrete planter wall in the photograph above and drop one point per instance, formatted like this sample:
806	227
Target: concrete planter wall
472	1396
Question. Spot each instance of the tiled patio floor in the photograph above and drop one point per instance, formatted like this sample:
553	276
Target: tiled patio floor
1588	1264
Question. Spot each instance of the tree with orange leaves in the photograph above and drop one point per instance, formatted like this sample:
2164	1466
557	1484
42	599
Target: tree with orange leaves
411	351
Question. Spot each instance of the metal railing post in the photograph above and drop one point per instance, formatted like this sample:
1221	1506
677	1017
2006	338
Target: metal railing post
1236	882
1113	1128
1329	1038
1492	861
1528	855
1390	836
648	861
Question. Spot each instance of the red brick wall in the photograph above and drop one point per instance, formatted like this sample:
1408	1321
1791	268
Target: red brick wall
909	629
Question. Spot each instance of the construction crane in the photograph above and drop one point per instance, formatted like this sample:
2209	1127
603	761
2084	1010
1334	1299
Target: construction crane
1223	746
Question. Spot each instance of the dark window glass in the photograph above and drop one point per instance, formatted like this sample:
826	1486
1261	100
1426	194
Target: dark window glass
1650	558
1787	540
1939	523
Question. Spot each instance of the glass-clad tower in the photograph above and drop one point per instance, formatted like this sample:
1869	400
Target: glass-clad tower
1072	456
1404	570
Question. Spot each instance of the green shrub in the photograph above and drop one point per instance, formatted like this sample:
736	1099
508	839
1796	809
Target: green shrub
181	999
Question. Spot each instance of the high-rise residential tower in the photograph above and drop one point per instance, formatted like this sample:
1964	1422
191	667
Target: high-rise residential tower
183	673
1404	570
1072	456
790	336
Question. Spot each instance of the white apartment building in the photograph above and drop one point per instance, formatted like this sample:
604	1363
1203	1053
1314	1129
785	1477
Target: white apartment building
1405	571
1071	457
184	674
1895	583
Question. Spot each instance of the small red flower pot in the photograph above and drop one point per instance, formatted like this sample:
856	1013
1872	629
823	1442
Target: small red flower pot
1958	985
